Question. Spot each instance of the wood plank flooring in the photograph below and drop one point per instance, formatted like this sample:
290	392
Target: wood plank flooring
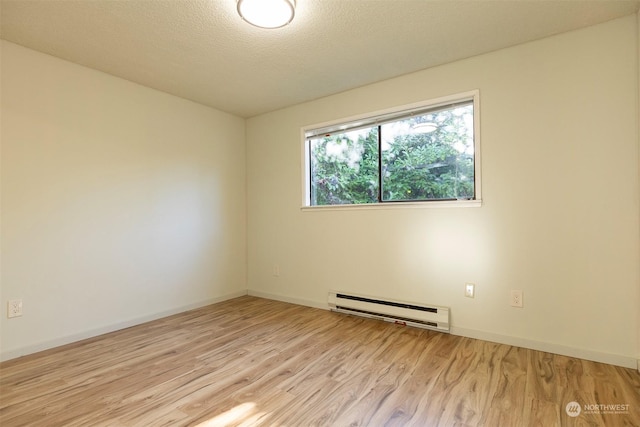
256	362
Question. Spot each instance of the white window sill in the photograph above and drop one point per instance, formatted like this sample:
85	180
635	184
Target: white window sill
397	205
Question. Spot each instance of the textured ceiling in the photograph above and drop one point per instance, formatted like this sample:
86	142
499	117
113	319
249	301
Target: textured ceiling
201	49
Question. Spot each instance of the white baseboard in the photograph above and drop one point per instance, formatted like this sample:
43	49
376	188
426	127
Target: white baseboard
23	351
611	359
595	356
291	300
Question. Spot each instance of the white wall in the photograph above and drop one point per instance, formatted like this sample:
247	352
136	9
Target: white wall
638	135
119	203
560	218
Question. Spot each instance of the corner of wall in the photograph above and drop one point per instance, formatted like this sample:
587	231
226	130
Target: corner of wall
638	137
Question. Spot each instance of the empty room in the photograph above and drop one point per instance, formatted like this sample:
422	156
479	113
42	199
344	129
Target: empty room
319	213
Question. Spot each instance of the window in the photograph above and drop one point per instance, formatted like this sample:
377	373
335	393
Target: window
426	153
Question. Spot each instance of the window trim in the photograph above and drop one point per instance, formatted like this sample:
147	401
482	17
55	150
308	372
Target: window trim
387	115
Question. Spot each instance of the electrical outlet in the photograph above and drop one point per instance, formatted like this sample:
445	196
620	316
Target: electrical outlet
276	270
516	299
14	308
469	290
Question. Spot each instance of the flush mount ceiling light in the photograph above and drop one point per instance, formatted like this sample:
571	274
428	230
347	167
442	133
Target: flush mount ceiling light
267	13
424	127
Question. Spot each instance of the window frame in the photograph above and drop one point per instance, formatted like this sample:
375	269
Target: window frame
385	115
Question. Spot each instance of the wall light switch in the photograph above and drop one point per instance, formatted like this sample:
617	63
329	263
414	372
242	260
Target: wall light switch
469	290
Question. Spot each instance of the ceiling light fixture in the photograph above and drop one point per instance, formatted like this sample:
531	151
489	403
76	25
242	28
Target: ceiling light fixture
427	127
267	13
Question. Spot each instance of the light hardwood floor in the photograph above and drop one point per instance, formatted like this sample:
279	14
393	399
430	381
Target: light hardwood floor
251	361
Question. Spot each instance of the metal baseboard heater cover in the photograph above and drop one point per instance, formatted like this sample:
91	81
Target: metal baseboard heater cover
405	313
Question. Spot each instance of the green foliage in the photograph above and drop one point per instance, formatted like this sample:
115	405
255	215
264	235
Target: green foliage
344	168
428	157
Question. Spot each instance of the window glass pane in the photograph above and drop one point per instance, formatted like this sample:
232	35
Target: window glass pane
429	157
344	168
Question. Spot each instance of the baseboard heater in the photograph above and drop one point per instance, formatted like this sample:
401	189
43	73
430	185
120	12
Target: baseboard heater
405	313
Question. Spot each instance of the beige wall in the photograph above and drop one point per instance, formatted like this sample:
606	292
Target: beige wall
638	135
119	203
559	219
